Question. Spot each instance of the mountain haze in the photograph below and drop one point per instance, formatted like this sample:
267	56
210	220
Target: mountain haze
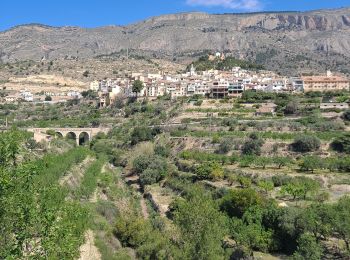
289	42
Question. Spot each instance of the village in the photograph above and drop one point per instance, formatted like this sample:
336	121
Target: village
211	83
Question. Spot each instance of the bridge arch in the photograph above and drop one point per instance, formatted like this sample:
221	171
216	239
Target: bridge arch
71	136
59	135
84	138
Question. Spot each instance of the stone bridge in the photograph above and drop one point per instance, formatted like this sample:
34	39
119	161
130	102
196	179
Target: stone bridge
80	135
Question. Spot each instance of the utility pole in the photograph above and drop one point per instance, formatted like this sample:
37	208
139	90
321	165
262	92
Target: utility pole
6	123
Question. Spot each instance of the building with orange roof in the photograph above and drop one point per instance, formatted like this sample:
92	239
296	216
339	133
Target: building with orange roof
325	83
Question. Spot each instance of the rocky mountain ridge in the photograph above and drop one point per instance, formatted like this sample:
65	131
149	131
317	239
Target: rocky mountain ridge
289	42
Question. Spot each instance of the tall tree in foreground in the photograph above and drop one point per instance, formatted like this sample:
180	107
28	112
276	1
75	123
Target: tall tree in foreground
202	225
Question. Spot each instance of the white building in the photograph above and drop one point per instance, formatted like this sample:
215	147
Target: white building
95	85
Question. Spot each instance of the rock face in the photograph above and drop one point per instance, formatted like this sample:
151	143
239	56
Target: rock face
285	41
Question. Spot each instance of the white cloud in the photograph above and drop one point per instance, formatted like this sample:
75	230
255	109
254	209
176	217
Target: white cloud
248	5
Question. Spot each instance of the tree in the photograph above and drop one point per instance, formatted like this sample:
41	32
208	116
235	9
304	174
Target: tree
341	220
209	170
342	144
253	145
119	102
299	187
291	108
48	98
310	163
155	172
266	186
236	202
141	134
262	162
137	86
202	226
306	143
89	94
317	220
296	190
308	248
151	169
10	147
281	161
253	235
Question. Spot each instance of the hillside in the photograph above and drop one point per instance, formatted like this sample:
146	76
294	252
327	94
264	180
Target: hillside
288	42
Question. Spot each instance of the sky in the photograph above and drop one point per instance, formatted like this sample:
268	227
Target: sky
94	13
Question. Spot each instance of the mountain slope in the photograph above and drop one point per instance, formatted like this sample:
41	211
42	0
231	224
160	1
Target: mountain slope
284	41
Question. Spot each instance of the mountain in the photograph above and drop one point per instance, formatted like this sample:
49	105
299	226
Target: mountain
288	42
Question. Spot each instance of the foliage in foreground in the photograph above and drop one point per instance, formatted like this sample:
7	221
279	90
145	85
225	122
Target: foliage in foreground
35	218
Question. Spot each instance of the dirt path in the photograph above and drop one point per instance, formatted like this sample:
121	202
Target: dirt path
88	251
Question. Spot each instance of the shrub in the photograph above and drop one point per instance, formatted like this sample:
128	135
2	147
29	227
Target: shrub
141	163
346	115
198	103
306	143
245	182
225	146
86	73
209	170
151	169
291	108
143	133
280	180
162	150
342	144
252	147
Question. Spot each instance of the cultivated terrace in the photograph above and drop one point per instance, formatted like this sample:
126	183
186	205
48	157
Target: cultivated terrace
185	178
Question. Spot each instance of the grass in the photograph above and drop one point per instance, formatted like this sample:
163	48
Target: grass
89	181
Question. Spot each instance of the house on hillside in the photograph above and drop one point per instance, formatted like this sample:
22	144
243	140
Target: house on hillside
266	109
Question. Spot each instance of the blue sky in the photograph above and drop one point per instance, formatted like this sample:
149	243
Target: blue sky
93	13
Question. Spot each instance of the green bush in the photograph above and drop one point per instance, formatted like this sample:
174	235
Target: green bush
306	143
141	134
236	202
342	144
253	145
308	248
209	170
151	169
